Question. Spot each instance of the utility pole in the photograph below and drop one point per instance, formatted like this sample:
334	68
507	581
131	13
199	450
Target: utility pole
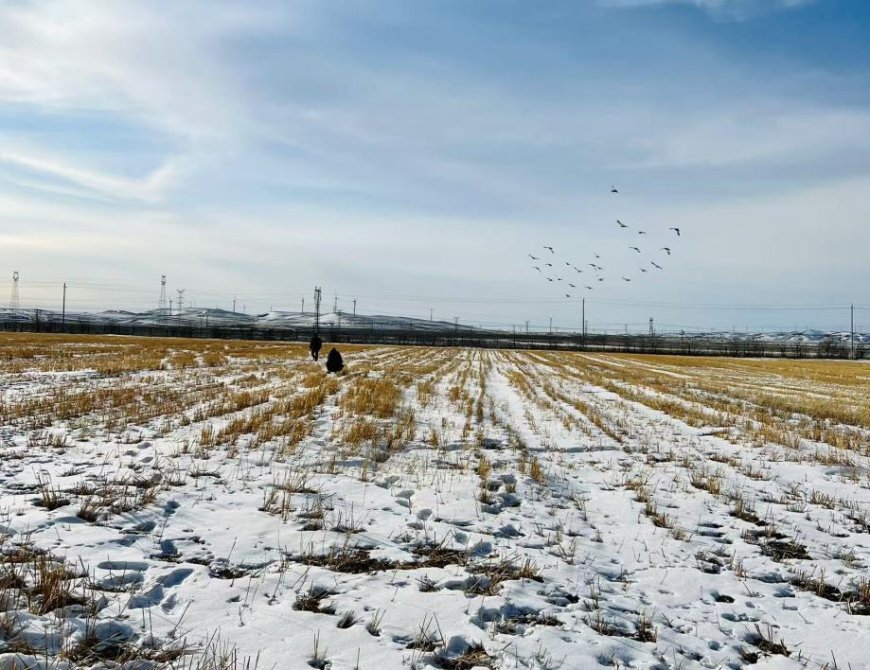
456	324
354	306
430	314
551	325
316	309
852	331
180	302
234	304
652	330
63	310
335	304
303	307
583	322
527	327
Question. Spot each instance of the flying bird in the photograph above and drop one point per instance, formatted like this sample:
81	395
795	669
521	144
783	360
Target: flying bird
549	265
613	189
668	249
656	265
643	269
589	287
576	268
550	248
534	258
558	279
536	268
596	255
621	224
567	295
626	279
641	232
676	230
568	264
549	279
601	279
635	248
571	285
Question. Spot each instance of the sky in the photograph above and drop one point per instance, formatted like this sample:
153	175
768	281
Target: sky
413	155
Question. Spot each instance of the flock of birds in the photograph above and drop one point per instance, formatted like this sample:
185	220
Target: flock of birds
549	266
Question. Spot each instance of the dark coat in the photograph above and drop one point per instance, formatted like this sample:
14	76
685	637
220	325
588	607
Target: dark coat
315	346
334	362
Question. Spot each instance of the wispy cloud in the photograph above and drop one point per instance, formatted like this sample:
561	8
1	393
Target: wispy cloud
104	186
730	9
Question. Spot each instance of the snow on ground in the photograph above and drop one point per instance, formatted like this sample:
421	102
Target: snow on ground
447	508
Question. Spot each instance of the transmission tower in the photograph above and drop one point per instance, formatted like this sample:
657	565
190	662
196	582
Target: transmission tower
180	303
14	302
161	306
316	309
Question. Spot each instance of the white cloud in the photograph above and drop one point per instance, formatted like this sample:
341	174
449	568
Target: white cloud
732	9
155	61
102	185
747	135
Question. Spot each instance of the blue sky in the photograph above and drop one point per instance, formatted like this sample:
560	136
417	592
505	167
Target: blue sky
411	154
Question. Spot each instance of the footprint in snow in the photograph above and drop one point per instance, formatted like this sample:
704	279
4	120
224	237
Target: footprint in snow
389	481
403	498
124	566
168	551
120	582
156	595
169	604
149	598
482	549
174	577
143	527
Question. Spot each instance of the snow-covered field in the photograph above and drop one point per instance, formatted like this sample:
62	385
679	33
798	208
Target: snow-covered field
229	505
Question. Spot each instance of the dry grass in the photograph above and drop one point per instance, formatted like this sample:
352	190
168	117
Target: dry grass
784	402
379	398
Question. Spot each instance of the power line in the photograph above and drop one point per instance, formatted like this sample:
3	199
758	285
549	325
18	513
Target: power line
131	289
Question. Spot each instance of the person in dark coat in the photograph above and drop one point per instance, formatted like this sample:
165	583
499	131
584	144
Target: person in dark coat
316	344
334	362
